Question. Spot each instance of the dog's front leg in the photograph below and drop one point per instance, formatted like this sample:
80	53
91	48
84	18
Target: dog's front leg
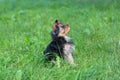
68	54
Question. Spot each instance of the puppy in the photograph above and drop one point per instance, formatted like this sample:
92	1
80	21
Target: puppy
61	45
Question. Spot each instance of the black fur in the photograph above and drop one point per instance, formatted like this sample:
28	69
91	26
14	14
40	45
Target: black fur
54	48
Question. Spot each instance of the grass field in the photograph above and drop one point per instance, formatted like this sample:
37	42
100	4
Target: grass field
25	27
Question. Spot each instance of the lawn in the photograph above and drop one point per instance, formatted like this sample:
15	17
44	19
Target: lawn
25	27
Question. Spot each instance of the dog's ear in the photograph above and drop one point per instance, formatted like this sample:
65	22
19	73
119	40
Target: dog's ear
55	24
56	21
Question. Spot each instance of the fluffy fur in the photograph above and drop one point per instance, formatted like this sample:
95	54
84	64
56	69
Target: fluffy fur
60	46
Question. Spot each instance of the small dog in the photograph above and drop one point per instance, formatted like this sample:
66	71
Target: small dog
61	46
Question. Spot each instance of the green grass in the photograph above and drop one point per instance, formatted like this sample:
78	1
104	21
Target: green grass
25	27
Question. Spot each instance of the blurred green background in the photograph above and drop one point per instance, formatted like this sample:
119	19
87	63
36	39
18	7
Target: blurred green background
25	27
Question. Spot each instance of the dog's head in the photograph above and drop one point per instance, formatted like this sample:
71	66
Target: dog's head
61	28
